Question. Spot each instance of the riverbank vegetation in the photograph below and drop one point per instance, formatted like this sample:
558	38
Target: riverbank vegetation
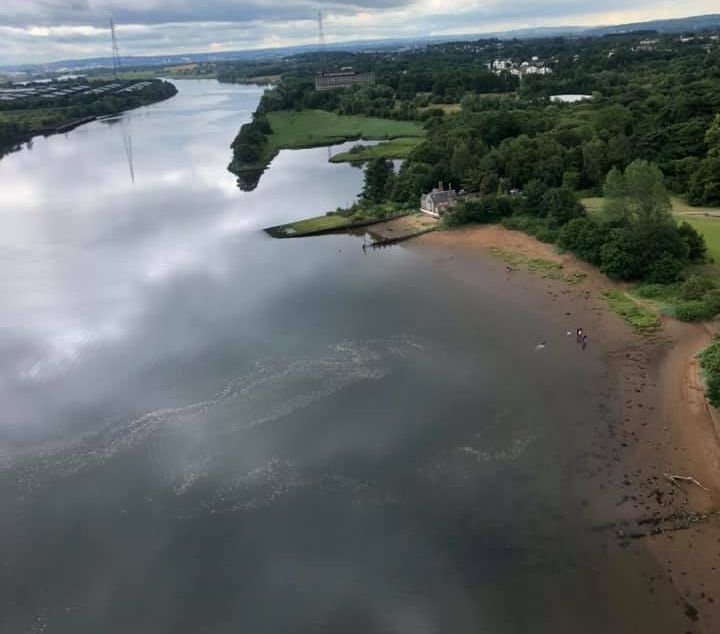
260	140
633	237
399	148
659	103
710	366
371	207
650	128
22	119
314	226
639	317
360	214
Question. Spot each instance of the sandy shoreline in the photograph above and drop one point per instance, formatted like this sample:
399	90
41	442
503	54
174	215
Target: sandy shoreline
666	425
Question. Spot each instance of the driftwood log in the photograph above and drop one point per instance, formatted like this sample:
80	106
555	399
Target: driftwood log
675	480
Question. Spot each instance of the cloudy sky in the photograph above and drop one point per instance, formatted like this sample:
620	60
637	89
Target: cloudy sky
44	30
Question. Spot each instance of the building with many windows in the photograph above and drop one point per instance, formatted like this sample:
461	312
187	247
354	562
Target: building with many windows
330	80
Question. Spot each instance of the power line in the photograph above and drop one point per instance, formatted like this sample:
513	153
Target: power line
321	33
115	49
127	143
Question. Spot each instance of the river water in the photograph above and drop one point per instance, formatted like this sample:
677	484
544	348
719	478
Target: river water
207	430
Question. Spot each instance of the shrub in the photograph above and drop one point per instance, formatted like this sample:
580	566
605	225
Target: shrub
562	206
653	253
533	198
712	299
488	209
693	310
651	291
694	240
639	317
665	270
710	364
547	234
695	287
619	256
538	227
584	237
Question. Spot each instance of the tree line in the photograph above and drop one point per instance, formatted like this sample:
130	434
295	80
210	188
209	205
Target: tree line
22	119
659	105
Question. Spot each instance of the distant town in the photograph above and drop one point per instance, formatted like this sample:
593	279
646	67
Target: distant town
65	87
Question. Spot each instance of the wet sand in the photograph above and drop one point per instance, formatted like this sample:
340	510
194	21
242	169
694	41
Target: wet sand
665	426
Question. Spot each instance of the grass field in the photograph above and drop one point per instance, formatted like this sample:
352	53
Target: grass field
313	128
710	229
395	149
705	219
679	206
265	79
592	205
447	108
356	217
317	128
311	226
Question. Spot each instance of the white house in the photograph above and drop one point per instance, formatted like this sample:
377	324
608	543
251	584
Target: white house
439	201
502	64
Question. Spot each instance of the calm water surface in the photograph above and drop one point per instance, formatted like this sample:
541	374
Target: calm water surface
206	430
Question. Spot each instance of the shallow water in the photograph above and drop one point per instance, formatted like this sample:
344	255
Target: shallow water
207	430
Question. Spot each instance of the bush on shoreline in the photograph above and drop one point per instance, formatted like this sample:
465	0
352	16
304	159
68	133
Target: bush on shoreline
635	238
710	365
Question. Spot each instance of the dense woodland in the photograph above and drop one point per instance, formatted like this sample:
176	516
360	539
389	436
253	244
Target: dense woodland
657	103
652	127
22	119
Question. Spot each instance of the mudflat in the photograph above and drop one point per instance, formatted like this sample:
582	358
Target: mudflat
666	531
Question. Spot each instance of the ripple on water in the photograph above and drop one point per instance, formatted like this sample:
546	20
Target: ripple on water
273	389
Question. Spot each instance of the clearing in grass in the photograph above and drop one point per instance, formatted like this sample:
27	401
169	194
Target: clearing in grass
395	149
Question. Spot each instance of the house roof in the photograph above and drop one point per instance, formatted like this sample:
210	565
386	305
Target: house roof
439	197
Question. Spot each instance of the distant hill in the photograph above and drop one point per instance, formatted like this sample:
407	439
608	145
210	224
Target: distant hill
691	24
679	25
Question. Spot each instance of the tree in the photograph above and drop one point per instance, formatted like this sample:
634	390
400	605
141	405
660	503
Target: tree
638	195
594	155
705	183
613	120
562	206
379	176
534	198
571	179
712	137
585	238
695	241
653	253
413	180
460	162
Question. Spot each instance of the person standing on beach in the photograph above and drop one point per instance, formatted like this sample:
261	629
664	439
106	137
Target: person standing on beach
579	335
584	341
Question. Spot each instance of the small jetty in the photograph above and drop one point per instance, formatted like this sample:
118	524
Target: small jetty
399	229
381	232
